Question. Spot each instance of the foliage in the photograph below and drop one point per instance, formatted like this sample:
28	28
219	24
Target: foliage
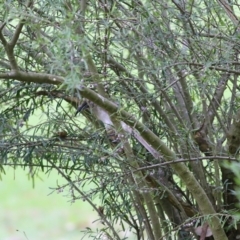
159	80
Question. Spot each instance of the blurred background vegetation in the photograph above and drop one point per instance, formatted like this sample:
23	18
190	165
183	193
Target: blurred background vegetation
31	210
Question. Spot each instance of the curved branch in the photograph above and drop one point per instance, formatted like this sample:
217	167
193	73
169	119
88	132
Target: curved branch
33	77
57	94
183	172
229	11
16	35
10	46
217	97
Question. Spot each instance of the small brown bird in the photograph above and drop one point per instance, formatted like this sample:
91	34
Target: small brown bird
61	134
202	143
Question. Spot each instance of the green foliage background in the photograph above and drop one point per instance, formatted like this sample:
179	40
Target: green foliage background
37	213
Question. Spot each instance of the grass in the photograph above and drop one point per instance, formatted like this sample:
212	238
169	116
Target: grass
29	213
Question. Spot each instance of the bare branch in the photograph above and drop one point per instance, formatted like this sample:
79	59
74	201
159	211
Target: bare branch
217	96
9	47
33	77
229	11
16	35
3	39
57	94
